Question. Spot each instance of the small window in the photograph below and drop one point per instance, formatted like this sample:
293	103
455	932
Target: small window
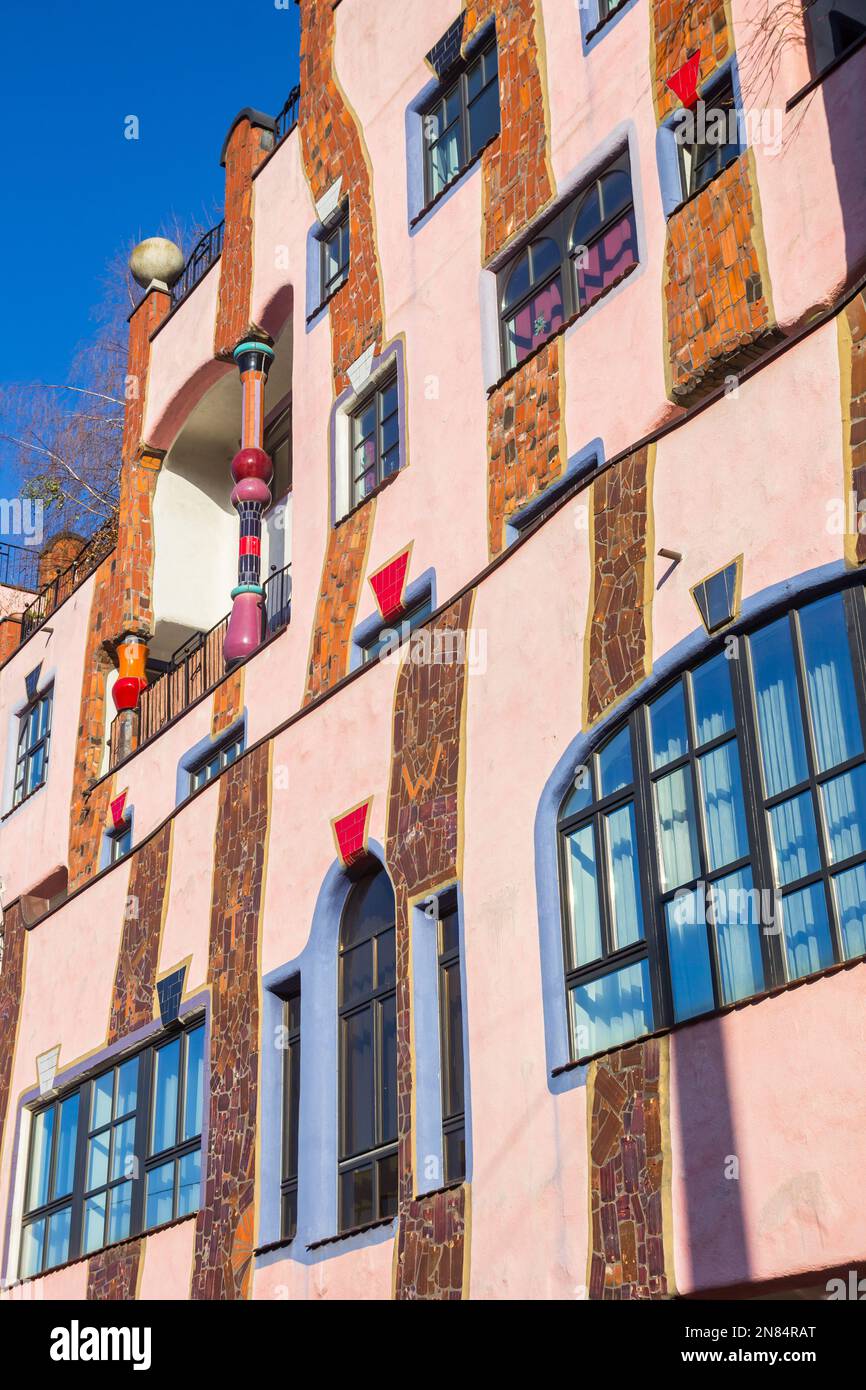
291	1111
334	252
393	633
219	758
451	1042
461	121
576	256
375	439
713	138
834	27
34	737
173	1166
119	841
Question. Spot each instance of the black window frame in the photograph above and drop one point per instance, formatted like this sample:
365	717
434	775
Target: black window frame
811	23
436	111
291	1108
26	750
653	946
560	230
377	392
414	615
143	1161
337	229
453	1106
697	159
234	740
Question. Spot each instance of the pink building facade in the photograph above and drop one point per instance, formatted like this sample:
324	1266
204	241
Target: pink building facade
488	920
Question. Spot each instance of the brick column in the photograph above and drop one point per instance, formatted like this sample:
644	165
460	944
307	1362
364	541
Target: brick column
249	141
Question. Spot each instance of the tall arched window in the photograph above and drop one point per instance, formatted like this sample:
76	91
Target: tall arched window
714	845
368	1054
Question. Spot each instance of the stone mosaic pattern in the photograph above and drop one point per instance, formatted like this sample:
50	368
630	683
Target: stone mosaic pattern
228	703
113	1274
13	937
525	438
617	639
422	846
854	424
146	319
223	1246
716	282
88	812
679	27
332	146
627	1173
138	481
338	600
248	145
518	179
135	979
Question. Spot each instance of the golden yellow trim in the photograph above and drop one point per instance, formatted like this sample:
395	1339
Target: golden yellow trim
590	607
462	747
467	1240
649	572
591	1073
845	340
257	1151
758	239
667	1164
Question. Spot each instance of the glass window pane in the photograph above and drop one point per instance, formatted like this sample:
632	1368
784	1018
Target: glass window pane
165	1083
850	892
387	1186
780	724
192	1108
713	700
452	1012
483	118
518	281
32	1238
102	1104
830	682
795	839
808	944
602	262
449	934
159	1203
723	808
358	1091
622	872
123	1151
127	1088
119	1211
40	1158
289	1225
614	764
677	835
357	973
580	795
189	1183
611	1010
58	1238
455	1154
667	717
535	322
737	915
356	1197
97	1160
588	220
64	1168
386	970
583	896
94	1222
388	1025
388	401
844	801
688	948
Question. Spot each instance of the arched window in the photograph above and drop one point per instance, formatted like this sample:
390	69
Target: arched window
603	240
368	1054
714	845
532	303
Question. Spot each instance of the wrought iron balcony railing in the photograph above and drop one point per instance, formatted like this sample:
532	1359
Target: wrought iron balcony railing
19	566
288	117
198	666
50	597
205	252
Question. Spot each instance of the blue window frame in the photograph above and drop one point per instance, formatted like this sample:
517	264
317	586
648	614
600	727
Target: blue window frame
396	630
219	757
34	739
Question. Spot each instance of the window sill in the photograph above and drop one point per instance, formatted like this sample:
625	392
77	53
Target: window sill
354	1231
707	187
323	304
282	1244
603	23
569	323
715	1013
105	1249
23	802
374	492
816	81
458	178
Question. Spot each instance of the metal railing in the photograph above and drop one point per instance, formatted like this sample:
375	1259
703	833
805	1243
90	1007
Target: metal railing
50	597
288	117
198	666
205	252
19	566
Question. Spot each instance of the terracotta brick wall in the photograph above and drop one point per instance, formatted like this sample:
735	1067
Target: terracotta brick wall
525	438
228	703
422	854
113	1274
224	1233
629	1173
679	27
248	145
618	642
135	978
10	636
342	573
852	360
89	809
13	936
57	555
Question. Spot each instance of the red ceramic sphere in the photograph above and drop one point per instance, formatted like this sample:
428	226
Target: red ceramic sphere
251	463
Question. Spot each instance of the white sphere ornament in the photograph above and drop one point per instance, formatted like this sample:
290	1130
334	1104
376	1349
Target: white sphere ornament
157	259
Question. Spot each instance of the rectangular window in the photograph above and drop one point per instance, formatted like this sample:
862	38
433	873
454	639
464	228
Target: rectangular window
220	757
334	253
712	138
291	1111
120	842
34	737
834	27
451	1042
119	1154
461	121
396	631
375	440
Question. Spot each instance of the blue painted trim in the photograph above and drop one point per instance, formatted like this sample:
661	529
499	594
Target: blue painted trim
110	834
318	1152
584	461
199	751
547	886
367	630
667	149
589	18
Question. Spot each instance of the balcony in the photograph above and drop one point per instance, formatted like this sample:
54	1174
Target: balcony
19	567
197	666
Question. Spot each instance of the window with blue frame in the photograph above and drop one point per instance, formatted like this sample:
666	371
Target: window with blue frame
221	756
119	841
714	846
118	1154
396	630
708	137
34	738
451	1041
461	121
334	255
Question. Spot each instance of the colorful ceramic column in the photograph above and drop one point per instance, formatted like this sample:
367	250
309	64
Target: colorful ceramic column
252	471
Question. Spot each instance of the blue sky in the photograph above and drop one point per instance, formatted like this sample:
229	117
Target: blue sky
75	189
